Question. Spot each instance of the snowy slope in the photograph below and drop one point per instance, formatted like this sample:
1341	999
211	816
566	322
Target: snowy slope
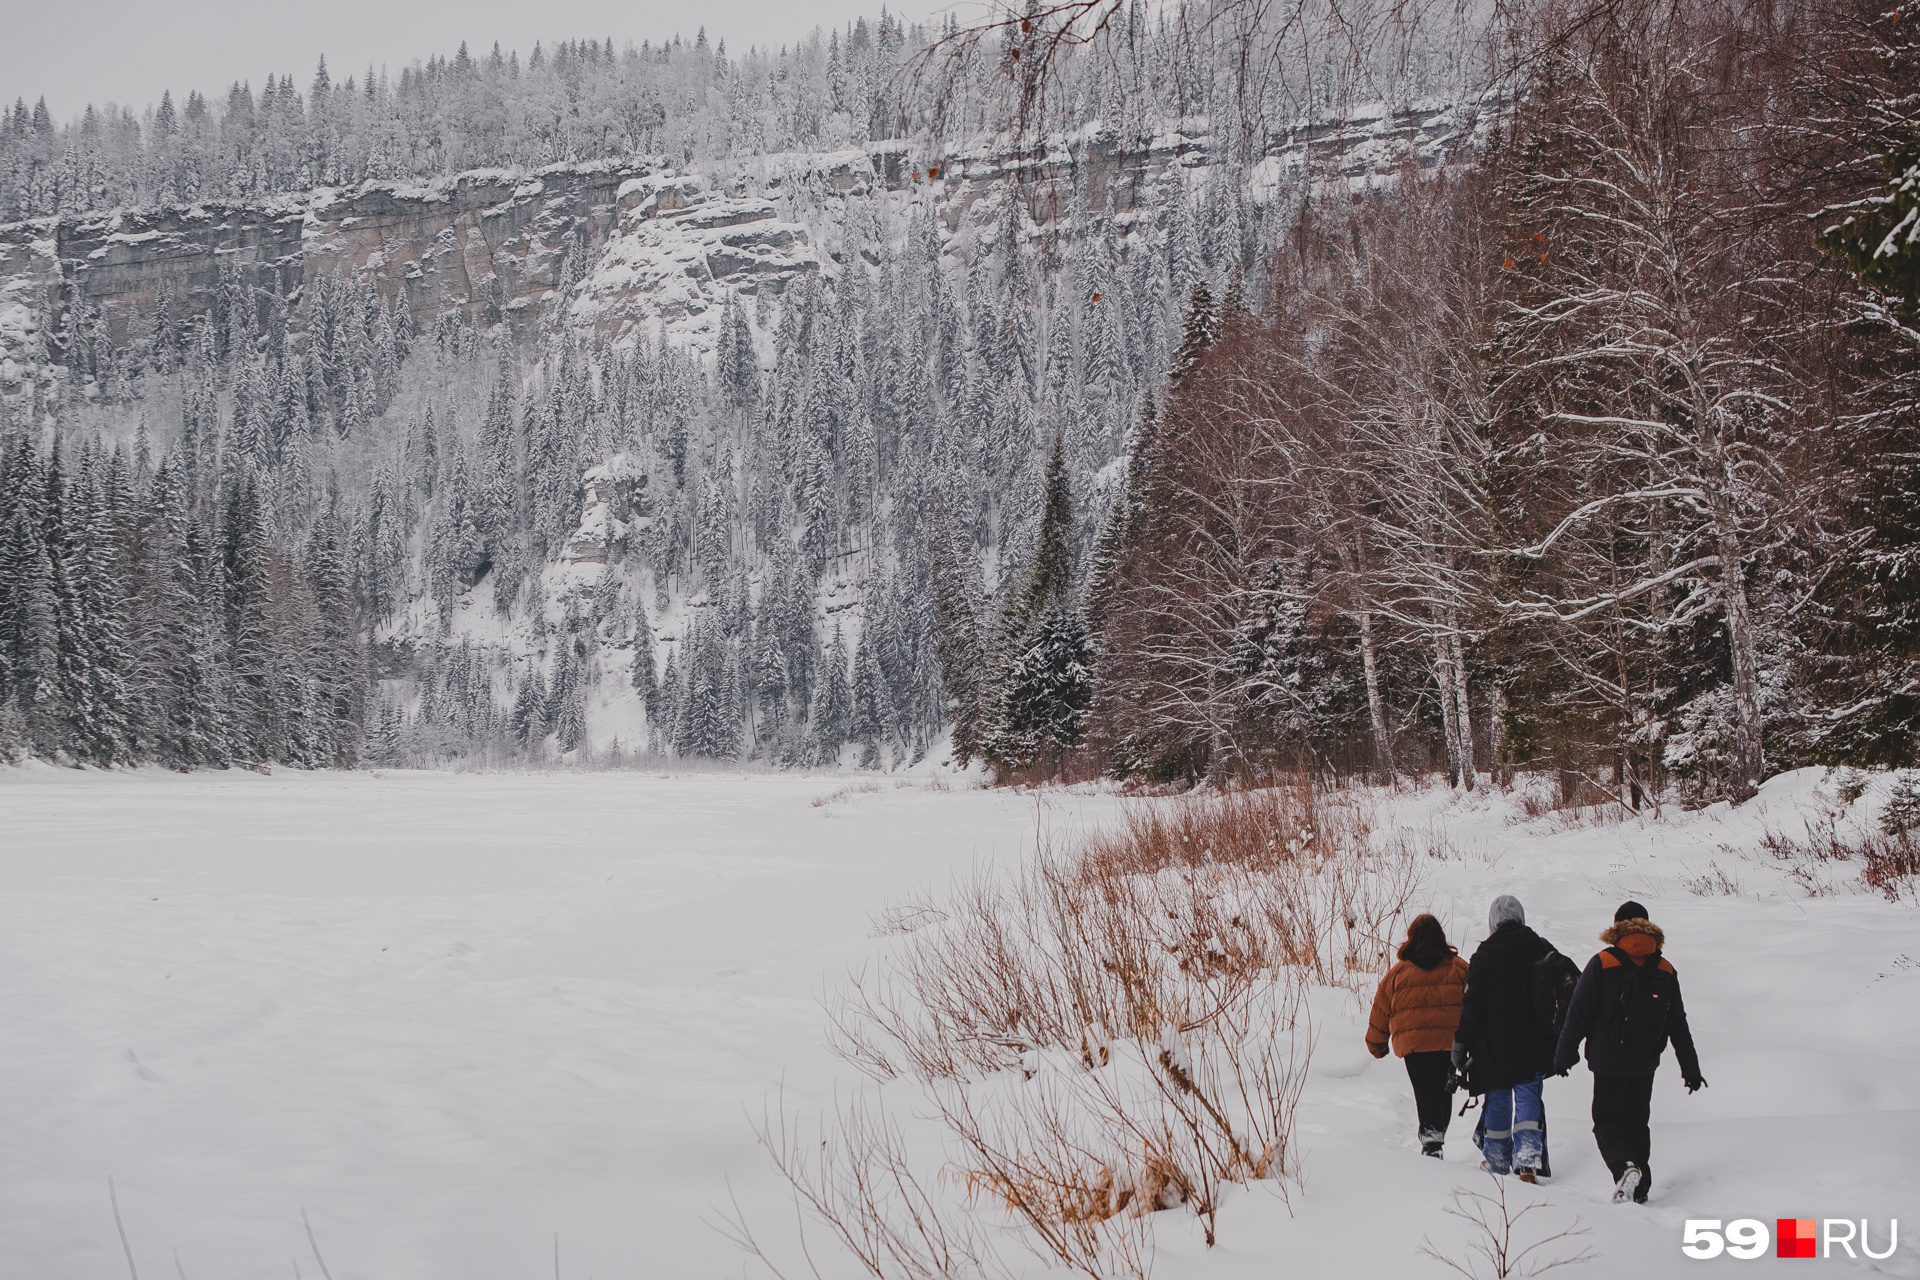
1806	1013
449	1015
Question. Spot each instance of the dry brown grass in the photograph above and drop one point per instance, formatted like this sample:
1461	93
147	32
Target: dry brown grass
1117	1028
1541	799
1713	882
854	1177
842	794
1889	864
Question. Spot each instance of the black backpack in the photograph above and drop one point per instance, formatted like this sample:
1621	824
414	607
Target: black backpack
1550	983
1639	1015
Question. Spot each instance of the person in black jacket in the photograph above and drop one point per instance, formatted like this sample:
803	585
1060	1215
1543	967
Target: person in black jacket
1626	1007
1499	1049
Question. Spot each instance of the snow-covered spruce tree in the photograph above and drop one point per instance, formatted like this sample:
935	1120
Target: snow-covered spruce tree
1050	574
256	712
642	675
831	717
529	718
338	651
1045	691
29	640
567	695
711	707
1858	672
873	708
179	673
495	501
1128	524
1041	692
956	604
101	542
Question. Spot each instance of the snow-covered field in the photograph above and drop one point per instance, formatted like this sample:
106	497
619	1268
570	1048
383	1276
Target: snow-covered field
450	1016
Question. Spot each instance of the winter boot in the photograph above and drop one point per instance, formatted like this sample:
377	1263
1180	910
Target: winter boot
1432	1143
1628	1188
1526	1176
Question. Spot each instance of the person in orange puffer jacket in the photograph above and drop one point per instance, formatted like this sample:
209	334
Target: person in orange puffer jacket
1416	1008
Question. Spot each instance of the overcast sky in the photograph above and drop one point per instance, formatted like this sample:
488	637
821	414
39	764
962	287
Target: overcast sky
130	50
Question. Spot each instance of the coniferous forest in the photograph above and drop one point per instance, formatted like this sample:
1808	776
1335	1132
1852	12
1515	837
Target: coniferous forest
1584	443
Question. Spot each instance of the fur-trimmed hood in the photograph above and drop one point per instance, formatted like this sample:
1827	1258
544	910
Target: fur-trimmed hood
1619	929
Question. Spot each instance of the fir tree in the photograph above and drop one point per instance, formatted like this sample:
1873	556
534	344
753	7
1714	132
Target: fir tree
1047	689
31	632
641	675
1050	574
831	717
567	698
873	722
340	662
529	717
179	640
1197	336
249	649
108	733
1042	692
953	583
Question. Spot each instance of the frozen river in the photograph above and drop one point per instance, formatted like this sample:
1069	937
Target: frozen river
447	1015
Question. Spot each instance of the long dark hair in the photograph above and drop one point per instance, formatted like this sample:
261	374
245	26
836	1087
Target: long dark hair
1426	943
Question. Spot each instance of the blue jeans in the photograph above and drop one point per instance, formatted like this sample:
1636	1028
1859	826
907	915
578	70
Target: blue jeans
1512	1132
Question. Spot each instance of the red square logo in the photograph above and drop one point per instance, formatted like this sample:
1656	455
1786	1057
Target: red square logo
1795	1238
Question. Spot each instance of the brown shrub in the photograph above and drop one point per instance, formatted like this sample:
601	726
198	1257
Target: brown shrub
1890	864
1121	1027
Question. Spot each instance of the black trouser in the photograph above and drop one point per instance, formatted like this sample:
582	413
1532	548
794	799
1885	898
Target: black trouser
1432	1077
1620	1108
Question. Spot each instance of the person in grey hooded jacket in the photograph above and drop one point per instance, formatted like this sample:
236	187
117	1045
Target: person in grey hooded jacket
1499	1050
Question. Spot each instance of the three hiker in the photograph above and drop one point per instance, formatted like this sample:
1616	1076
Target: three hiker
1626	1007
1520	1011
1416	1008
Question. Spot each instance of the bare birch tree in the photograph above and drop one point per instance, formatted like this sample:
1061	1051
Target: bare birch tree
1638	402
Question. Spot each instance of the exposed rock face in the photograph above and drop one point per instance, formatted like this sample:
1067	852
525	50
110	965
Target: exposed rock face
490	243
678	247
604	248
494	246
29	279
613	503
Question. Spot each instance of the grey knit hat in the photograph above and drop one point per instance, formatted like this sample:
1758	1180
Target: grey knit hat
1506	909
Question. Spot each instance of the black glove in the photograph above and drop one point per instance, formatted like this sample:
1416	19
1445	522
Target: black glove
1696	1084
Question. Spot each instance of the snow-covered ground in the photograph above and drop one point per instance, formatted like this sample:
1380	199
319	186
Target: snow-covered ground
1806	1012
450	1016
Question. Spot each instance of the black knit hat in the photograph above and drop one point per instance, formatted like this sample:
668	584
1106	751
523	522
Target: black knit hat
1630	910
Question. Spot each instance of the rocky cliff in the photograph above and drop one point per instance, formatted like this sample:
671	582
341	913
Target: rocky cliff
602	248
497	247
